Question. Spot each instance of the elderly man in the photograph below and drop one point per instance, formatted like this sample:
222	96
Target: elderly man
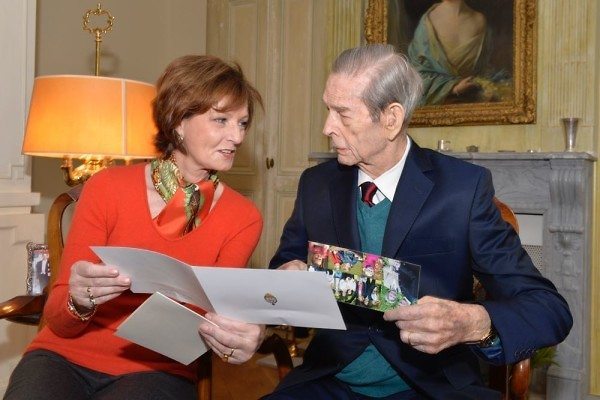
386	195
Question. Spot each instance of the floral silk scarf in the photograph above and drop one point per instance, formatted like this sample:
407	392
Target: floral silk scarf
188	204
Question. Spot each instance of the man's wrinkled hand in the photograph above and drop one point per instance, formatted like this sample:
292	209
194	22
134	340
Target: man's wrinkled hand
434	324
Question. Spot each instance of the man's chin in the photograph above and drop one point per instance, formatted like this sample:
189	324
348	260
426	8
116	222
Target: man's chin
345	160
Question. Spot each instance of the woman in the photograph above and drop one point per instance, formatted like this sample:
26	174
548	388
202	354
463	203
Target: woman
451	50
174	205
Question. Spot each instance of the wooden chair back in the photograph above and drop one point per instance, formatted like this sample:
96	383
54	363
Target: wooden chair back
507	214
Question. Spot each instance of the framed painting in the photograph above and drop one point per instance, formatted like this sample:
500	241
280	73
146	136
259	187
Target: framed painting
476	57
38	268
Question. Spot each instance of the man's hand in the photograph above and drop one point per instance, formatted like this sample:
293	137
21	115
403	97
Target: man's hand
434	324
294	265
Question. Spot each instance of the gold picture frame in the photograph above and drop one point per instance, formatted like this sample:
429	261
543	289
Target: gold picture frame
518	104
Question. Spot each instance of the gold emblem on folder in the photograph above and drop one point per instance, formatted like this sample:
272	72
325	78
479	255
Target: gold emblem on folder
271	299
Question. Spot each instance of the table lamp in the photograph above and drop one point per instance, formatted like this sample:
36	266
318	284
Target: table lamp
96	119
92	118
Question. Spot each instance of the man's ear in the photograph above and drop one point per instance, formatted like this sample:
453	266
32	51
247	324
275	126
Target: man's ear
393	119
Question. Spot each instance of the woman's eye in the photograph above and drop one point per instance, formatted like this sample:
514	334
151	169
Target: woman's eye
244	124
220	120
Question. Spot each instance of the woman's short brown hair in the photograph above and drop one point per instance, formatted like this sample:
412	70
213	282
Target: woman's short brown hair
191	85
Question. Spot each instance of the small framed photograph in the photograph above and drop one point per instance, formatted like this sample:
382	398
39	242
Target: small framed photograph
38	268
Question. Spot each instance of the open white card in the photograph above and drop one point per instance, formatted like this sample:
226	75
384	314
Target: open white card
264	296
155	272
261	296
167	327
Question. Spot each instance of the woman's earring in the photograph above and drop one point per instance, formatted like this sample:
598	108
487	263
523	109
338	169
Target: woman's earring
179	137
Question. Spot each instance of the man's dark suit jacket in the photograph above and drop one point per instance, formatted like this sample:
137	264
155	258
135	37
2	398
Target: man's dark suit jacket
442	218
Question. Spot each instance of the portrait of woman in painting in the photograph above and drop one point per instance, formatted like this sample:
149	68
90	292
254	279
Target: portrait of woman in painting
461	48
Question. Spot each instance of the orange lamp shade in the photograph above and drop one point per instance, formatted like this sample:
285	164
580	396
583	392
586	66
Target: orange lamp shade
78	116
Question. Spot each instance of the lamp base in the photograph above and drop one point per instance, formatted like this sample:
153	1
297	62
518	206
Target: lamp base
90	165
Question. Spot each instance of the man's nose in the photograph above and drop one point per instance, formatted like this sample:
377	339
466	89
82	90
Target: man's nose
329	126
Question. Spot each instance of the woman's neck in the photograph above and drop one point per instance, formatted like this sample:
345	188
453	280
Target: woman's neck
454	6
190	173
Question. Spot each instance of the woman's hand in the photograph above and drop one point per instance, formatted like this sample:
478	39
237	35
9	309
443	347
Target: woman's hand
234	341
465	86
93	284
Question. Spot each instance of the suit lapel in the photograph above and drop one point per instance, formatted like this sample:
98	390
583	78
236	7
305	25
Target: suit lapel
342	191
411	193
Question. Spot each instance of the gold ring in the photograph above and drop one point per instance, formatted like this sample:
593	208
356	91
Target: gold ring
91	296
226	357
231	354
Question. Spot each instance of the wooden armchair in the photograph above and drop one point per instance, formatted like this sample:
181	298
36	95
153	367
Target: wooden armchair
28	309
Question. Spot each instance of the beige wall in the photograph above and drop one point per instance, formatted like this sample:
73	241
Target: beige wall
146	36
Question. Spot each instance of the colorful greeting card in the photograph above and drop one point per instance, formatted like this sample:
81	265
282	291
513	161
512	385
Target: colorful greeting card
363	279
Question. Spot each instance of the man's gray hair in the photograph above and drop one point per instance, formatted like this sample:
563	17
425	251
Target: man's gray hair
392	79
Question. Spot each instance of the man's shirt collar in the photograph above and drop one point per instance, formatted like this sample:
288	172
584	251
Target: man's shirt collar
388	181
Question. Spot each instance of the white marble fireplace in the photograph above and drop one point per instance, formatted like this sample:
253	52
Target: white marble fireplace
552	196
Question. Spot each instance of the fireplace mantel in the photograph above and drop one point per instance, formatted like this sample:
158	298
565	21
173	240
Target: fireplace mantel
558	187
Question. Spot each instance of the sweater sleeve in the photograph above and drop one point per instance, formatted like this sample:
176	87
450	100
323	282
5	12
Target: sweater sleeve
89	227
